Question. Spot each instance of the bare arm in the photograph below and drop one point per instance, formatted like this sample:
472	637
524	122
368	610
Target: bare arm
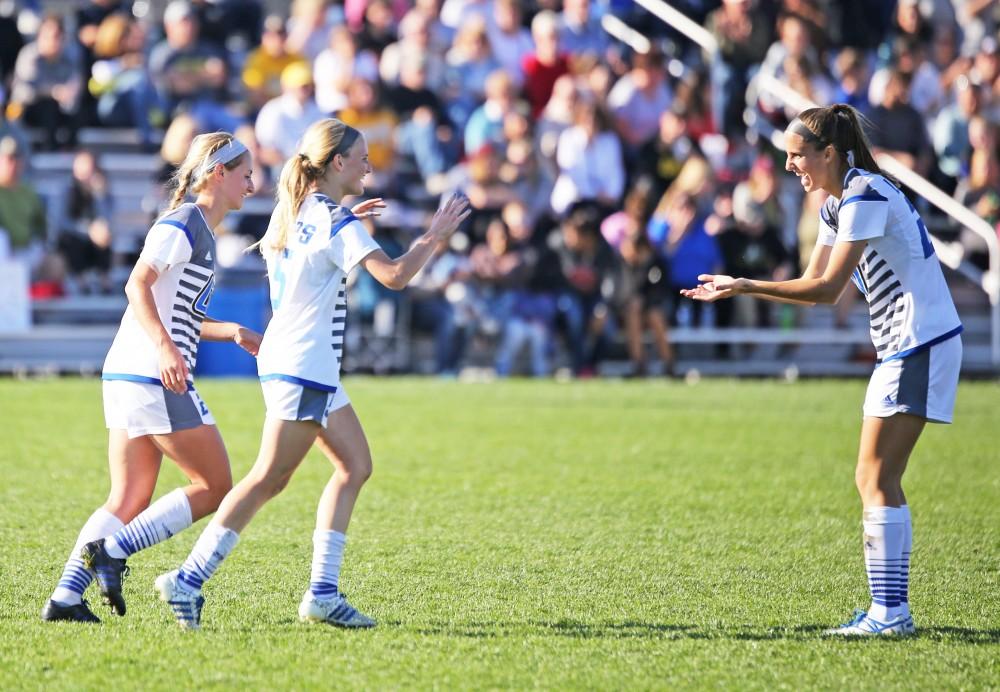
397	273
813	287
138	289
247	339
818	262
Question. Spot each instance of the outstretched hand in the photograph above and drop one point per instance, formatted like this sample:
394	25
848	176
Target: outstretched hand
448	218
248	340
368	208
714	287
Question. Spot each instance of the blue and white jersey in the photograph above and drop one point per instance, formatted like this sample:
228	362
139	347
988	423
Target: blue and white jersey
304	341
181	248
899	273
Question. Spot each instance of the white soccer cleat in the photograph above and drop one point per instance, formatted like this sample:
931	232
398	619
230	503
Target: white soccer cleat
861	625
334	611
185	604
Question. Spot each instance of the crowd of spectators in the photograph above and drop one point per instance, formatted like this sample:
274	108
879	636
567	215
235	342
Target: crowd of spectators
604	178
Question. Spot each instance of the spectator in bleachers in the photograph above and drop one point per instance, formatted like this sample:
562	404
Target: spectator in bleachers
661	159
589	156
743	43
641	293
469	62
909	22
441	36
119	81
580	31
587	263
309	27
850	69
11	43
366	113
337	66
691	97
85	239
545	64
898	129
264	64
283	120
554	119
510	40
795	42
378	29
638	98
441	304
177	142
951	129
925	93
802	75
486	124
47	85
522	169
414	44
22	213
679	235
980	192
189	73
232	25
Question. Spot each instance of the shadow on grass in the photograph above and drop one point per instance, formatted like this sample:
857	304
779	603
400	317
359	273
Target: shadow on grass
631	629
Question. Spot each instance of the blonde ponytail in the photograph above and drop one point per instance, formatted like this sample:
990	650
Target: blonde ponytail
321	142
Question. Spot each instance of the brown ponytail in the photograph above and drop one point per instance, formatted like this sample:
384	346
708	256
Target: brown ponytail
842	127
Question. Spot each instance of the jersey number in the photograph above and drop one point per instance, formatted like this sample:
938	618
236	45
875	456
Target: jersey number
200	304
306	231
278	280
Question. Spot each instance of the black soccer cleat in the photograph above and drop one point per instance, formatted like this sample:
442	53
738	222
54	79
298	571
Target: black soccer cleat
80	612
109	572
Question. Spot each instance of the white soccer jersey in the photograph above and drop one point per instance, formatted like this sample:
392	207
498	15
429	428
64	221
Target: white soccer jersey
181	248
304	341
908	299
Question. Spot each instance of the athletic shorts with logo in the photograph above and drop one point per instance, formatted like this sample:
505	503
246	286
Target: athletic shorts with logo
286	400
921	384
143	408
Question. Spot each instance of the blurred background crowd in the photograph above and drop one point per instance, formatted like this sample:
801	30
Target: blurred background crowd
605	176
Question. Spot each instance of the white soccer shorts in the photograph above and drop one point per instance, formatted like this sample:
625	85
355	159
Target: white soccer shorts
291	401
149	409
922	384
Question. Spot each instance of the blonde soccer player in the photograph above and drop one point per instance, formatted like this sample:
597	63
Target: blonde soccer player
871	234
150	404
311	245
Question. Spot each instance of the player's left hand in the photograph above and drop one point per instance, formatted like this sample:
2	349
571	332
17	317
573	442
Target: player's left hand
715	287
248	340
368	208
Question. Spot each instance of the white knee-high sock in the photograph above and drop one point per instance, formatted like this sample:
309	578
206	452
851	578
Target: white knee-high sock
883	557
328	554
167	516
75	577
904	567
214	544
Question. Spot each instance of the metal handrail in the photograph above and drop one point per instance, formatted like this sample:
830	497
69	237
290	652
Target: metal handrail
990	281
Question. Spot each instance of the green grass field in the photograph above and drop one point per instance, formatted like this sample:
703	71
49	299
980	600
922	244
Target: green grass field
530	534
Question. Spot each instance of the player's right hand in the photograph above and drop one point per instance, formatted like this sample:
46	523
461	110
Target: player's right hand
448	218
173	369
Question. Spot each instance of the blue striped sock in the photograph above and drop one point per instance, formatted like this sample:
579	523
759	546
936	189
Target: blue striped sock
214	544
904	567
328	554
883	558
169	515
75	577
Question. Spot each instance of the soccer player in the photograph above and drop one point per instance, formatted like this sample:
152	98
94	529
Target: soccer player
150	404
871	234
311	245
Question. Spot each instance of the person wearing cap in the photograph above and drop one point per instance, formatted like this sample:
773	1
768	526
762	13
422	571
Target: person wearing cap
150	404
283	120
264	65
189	73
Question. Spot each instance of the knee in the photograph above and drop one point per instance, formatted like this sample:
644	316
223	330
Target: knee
871	475
126	508
357	474
218	489
270	485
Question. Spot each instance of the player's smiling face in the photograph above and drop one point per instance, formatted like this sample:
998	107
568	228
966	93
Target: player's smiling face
238	183
356	167
806	161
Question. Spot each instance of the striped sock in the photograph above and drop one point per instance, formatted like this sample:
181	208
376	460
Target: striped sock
904	567
75	577
214	544
883	556
328	554
167	516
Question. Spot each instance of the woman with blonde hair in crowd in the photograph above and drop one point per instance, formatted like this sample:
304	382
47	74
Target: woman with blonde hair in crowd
150	404
310	247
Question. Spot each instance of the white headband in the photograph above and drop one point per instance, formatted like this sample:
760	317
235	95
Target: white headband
223	155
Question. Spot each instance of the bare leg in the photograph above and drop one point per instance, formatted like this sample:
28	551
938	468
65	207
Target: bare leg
201	455
134	465
886	444
344	444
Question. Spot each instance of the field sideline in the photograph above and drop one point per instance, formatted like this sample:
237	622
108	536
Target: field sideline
530	534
